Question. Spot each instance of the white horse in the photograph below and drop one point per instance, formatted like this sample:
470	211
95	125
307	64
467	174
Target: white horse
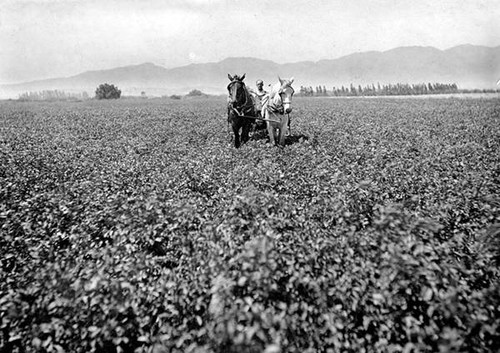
276	110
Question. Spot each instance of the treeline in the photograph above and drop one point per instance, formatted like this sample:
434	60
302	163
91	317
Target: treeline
399	89
54	95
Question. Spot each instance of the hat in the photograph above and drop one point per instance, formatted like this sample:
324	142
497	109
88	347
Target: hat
259	82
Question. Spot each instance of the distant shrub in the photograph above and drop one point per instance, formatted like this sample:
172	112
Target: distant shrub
195	93
175	96
107	91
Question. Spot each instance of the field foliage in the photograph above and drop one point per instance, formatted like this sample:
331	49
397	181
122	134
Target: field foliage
135	226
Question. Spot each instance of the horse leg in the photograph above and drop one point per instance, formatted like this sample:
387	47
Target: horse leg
253	127
283	129
245	132
270	129
272	133
236	130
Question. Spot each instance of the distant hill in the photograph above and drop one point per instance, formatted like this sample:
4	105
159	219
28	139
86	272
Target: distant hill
468	66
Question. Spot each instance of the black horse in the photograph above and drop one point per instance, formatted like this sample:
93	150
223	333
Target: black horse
240	109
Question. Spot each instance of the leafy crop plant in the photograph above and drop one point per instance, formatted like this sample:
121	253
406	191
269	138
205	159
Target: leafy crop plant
135	226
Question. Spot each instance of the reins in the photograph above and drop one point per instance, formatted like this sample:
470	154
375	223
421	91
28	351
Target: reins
253	117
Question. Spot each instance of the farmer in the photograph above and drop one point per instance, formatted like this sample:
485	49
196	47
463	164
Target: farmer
260	96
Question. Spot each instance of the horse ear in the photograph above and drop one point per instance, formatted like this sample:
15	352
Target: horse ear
229	77
242	77
291	80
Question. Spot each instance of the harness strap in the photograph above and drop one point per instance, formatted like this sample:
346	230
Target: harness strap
242	113
247	105
278	109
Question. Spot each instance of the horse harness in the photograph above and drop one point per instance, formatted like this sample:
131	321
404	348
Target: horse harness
279	108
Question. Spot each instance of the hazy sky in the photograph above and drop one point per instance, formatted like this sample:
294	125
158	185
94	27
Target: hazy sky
53	38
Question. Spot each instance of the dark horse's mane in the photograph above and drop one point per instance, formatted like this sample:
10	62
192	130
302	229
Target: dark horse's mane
240	108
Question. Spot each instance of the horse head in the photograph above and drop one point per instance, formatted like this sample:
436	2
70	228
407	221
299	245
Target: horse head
237	91
285	92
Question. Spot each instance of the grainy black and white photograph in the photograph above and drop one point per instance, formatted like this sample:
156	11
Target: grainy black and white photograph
229	176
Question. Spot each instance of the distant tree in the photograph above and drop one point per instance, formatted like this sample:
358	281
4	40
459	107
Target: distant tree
304	91
107	91
353	90
52	95
195	93
395	89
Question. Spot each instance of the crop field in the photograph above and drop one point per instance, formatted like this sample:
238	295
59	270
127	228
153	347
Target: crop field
136	226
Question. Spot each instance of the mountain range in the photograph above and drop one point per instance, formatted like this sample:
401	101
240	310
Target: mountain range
468	66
